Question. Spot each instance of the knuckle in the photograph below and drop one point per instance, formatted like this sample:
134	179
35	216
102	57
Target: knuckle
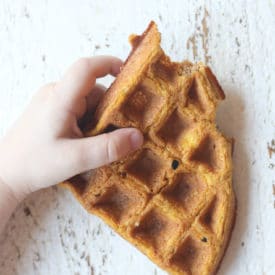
81	157
83	62
46	88
112	149
44	92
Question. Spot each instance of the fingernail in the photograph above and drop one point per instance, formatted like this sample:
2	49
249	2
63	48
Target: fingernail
136	139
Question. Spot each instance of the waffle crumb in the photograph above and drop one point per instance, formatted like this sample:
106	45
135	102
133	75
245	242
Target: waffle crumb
173	198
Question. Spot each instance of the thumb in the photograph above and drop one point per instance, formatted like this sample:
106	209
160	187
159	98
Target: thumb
92	152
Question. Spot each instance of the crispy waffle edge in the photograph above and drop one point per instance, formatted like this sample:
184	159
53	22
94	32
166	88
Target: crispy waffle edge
106	107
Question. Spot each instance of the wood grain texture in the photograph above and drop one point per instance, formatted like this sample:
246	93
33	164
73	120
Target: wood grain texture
50	233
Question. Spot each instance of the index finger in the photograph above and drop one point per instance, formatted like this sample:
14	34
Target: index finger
80	78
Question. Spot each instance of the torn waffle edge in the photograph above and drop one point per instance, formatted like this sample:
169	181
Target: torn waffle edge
135	67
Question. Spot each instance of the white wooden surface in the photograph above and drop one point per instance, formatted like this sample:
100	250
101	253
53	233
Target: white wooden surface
50	233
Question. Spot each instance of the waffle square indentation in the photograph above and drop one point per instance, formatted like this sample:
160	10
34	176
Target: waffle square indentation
192	255
186	191
174	128
143	106
149	169
120	202
206	153
156	229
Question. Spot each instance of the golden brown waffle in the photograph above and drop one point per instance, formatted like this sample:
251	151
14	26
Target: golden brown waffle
173	198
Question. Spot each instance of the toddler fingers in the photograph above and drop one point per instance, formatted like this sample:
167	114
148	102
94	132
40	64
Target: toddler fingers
92	152
44	91
80	78
94	97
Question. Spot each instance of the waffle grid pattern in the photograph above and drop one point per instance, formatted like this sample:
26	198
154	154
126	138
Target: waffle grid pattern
172	198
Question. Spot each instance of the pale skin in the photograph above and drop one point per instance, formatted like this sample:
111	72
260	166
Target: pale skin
46	146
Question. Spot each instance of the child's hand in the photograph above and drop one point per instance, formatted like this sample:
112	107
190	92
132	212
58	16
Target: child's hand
46	146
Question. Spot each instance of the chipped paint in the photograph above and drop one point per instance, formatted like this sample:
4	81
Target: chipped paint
204	36
191	43
200	37
271	148
226	34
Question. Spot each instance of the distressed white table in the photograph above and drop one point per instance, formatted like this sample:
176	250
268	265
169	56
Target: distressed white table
50	233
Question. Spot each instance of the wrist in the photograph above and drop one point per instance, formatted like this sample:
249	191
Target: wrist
10	180
8	203
8	192
13	191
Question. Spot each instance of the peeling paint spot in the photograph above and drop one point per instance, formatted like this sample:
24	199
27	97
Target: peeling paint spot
273	188
200	35
99	230
27	211
37	257
237	42
271	148
87	259
247	67
26	13
104	258
191	42
205	31
17	249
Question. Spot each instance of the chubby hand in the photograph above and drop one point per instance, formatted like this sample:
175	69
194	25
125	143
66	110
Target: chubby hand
46	145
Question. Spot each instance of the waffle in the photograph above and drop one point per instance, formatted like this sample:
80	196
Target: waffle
173	198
